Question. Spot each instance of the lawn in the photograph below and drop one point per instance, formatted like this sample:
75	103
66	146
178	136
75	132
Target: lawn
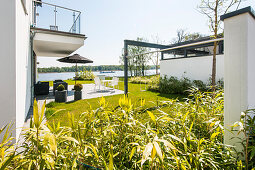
136	93
72	82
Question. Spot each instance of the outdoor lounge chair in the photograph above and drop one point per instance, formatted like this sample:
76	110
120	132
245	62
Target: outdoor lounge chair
41	88
115	82
56	83
97	83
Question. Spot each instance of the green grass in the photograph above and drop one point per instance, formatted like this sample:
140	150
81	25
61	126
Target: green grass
72	82
78	107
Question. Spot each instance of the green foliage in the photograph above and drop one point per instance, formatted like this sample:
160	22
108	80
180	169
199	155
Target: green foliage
85	75
72	82
220	83
7	150
200	85
151	81
80	68
78	87
173	85
137	64
61	87
247	127
173	135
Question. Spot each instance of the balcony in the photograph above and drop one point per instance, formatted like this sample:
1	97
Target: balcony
57	31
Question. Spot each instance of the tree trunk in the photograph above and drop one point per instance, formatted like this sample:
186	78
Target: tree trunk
157	64
215	45
214	66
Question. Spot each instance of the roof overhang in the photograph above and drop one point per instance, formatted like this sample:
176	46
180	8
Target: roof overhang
51	43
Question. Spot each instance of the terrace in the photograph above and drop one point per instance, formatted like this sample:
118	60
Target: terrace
88	92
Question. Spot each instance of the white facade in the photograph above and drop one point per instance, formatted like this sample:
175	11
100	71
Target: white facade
17	61
15	65
194	68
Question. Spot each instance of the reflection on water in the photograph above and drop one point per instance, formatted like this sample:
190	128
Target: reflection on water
69	75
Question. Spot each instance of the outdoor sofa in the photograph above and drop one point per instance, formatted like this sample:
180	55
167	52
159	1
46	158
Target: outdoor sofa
41	88
56	83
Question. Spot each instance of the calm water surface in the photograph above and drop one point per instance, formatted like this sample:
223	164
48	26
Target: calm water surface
69	75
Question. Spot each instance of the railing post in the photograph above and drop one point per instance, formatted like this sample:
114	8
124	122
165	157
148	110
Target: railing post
125	68
34	13
55	18
74	23
79	23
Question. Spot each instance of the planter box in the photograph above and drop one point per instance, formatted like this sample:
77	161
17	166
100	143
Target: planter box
61	96
77	95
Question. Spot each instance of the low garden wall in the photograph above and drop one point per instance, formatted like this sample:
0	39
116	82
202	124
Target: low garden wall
194	68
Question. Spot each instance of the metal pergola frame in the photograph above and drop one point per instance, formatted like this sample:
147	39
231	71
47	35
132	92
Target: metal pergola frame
184	46
140	44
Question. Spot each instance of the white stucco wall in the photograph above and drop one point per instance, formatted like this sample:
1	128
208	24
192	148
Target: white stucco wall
23	63
239	72
195	68
8	62
251	62
15	65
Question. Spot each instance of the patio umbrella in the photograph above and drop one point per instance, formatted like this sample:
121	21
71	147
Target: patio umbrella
76	58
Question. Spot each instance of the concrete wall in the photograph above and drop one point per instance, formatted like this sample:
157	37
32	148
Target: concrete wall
239	71
195	68
15	65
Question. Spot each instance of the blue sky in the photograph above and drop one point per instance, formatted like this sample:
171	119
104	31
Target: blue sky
107	23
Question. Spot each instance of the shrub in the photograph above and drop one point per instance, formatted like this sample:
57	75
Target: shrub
174	86
152	82
78	87
174	135
61	87
85	75
199	84
139	80
220	83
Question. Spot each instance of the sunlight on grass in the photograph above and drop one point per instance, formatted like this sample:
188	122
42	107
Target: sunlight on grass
78	107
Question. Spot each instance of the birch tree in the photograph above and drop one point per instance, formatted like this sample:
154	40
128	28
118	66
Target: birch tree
213	9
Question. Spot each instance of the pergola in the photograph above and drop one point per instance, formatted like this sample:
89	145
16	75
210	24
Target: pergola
184	48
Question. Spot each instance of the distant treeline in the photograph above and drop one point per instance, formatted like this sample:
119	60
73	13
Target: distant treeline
81	68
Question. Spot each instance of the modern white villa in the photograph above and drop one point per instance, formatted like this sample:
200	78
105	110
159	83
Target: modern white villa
193	59
25	35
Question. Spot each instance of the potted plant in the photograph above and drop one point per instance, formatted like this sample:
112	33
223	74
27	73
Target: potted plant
77	91
61	94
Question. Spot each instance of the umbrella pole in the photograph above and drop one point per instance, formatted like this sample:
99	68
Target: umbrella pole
76	73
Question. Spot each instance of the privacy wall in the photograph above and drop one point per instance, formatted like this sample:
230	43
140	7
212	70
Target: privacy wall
194	68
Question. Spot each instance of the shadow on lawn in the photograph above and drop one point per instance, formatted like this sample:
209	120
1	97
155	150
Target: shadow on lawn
180	97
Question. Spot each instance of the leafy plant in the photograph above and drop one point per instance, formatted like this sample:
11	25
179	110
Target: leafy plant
7	151
200	85
247	128
85	75
171	135
78	87
173	85
61	87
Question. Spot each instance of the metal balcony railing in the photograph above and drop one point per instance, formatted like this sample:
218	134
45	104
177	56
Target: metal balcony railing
54	17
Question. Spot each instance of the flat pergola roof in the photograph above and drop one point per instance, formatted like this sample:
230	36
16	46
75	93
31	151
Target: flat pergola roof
182	48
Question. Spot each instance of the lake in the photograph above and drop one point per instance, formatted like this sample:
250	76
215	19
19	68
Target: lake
70	75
